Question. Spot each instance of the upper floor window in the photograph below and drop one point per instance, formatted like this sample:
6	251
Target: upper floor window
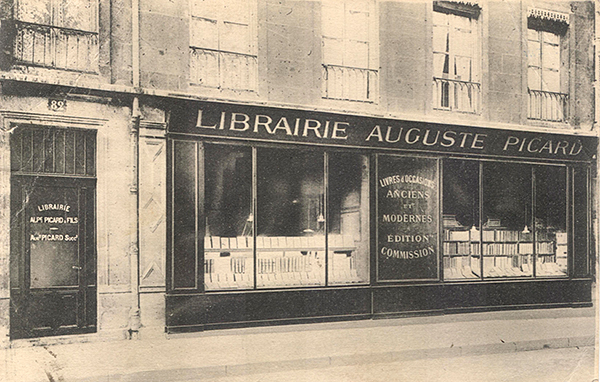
57	34
350	60
548	99
223	44
456	57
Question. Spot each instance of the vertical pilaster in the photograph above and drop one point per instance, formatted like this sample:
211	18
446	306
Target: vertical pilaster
152	225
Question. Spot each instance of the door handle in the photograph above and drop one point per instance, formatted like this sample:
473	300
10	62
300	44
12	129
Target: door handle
76	267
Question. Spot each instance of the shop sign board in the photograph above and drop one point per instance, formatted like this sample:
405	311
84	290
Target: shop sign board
408	218
311	127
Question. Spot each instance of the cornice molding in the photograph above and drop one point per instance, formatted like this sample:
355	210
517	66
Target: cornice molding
10	118
544	14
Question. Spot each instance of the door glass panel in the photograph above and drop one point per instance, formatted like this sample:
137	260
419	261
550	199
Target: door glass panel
53	220
290	242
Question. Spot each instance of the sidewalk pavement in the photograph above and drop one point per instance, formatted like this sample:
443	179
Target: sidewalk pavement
234	352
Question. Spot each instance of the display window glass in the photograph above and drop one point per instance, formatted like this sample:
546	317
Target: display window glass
184	212
523	227
507	238
290	241
277	218
348	214
551	221
462	249
228	239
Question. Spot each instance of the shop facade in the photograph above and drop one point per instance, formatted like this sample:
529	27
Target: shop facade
285	215
185	165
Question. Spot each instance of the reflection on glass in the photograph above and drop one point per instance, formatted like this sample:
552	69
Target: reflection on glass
228	240
348	238
551	221
290	242
507	218
462	258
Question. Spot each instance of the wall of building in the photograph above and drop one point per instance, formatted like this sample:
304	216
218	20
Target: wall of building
164	44
506	24
289	58
406	57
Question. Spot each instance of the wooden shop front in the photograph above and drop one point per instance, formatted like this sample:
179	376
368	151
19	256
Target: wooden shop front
286	215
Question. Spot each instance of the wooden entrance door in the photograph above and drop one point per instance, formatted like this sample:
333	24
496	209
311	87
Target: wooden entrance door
53	261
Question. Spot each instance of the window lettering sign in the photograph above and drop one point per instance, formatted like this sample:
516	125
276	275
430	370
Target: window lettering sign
311	127
407	219
53	237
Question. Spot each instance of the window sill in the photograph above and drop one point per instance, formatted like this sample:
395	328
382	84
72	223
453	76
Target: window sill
224	94
550	124
48	75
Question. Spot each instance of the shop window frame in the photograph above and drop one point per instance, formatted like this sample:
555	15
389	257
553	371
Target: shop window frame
569	221
577	263
199	284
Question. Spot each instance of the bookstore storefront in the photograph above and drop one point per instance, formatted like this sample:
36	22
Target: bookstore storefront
283	215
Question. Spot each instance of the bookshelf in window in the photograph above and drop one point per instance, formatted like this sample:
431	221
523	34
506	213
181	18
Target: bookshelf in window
551	251
281	261
461	251
507	253
510	253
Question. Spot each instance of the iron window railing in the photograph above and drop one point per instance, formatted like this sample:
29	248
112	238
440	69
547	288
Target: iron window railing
351	84
548	106
455	95
55	47
224	70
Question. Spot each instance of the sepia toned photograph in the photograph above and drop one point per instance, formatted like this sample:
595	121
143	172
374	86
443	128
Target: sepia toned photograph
299	190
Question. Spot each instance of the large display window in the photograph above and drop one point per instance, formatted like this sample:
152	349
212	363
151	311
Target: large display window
507	238
523	227
550	225
268	217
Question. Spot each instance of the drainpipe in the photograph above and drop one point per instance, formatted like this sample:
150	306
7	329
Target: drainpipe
596	185
135	322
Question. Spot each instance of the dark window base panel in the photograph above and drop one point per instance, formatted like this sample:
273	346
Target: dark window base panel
197	312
